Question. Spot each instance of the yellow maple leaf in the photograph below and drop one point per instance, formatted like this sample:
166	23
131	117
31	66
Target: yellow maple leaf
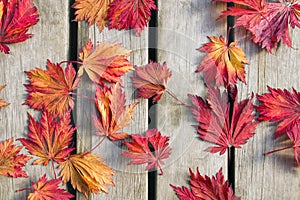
87	173
3	103
94	11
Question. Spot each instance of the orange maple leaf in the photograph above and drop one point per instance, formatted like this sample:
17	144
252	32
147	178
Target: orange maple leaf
224	63
49	139
107	61
114	115
16	17
3	103
94	11
50	89
48	190
11	162
87	173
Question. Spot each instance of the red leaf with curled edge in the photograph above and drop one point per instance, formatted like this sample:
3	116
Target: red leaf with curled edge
49	138
16	17
280	106
48	190
294	135
108	61
114	115
151	148
151	80
127	14
214	122
51	89
11	162
224	63
267	21
203	188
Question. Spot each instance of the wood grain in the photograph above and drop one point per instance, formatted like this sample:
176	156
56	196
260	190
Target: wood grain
50	41
274	176
183	29
131	181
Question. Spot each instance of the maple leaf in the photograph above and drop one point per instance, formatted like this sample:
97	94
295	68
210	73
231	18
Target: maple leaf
215	125
151	80
280	106
94	11
3	103
223	63
16	17
151	148
107	61
203	188
11	162
87	173
50	89
268	22
127	14
48	190
49	139
114	115
294	136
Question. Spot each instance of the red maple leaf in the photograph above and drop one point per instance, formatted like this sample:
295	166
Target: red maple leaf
51	89
114	115
49	139
151	148
215	125
48	190
294	136
16	17
204	188
127	14
151	80
224	62
268	22
280	106
11	162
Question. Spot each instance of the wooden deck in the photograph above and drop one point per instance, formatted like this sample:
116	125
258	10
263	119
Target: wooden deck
182	27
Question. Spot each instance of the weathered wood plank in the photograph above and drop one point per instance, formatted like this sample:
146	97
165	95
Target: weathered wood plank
50	41
274	176
183	27
131	181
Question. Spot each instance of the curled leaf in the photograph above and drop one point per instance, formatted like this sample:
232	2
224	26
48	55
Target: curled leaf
224	63
87	173
151	80
114	115
11	162
108	61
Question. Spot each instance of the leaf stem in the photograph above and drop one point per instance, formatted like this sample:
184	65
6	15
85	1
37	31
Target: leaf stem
174	97
97	145
53	168
70	61
276	150
23	189
83	96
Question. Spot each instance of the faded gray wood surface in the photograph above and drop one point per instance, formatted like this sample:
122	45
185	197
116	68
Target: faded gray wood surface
131	181
50	41
275	176
183	29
